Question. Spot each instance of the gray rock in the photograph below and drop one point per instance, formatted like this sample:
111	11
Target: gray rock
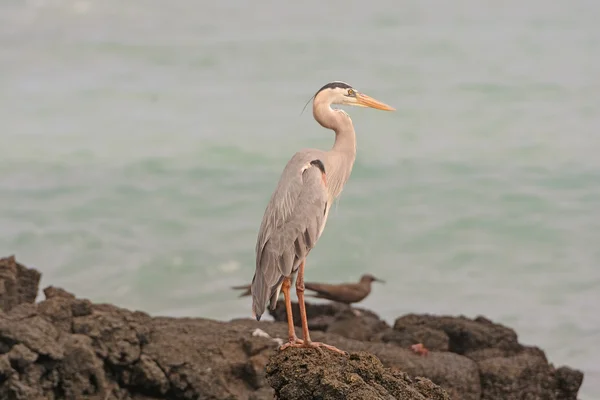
297	374
18	284
69	348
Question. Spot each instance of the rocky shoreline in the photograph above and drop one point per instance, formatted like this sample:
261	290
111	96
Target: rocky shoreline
69	348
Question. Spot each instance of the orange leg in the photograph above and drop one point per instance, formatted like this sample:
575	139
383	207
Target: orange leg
305	333
285	288
300	294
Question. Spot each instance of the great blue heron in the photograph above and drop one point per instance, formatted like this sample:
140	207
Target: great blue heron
297	212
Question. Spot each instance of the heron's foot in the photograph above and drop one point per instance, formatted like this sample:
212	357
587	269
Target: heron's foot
319	345
312	345
419	349
293	342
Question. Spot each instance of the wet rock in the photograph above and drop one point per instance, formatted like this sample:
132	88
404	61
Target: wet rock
117	334
81	371
81	307
69	348
35	332
58	310
527	375
507	368
208	358
14	389
512	377
406	336
52	292
457	374
568	383
21	357
18	284
297	374
361	327
466	335
6	369
148	377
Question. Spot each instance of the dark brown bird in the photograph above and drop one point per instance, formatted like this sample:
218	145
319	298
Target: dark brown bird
346	293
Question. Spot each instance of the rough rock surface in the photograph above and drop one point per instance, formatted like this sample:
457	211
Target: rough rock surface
296	374
69	348
18	284
474	358
507	368
51	352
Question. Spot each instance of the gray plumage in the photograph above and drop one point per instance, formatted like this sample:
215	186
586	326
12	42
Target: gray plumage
297	212
292	224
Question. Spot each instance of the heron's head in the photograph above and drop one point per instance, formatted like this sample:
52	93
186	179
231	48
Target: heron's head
370	278
344	94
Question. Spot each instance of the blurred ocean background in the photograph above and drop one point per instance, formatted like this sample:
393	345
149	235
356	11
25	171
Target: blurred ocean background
141	142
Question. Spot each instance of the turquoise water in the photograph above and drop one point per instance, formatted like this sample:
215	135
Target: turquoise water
141	142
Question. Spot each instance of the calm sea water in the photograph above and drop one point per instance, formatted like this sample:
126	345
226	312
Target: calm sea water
141	142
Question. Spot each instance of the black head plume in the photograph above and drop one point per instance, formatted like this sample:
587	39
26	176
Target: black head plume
330	85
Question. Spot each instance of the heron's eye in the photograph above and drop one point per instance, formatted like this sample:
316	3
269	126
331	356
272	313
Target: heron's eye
351	92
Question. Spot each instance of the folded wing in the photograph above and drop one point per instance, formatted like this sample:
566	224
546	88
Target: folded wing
291	226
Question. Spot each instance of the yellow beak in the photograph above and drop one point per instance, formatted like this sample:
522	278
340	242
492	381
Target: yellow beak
366	101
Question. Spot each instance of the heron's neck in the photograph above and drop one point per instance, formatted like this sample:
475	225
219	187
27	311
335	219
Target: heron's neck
345	139
343	153
341	124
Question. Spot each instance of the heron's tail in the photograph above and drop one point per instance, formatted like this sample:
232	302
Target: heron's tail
259	291
262	293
